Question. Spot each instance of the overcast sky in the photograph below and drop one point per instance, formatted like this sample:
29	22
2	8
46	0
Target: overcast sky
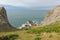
30	3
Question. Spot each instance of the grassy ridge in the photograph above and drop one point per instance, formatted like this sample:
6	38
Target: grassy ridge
49	32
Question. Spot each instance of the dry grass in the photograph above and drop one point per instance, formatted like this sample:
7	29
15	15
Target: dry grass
27	36
39	33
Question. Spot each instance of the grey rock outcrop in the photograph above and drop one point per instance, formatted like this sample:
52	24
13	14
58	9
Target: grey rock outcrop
32	23
4	24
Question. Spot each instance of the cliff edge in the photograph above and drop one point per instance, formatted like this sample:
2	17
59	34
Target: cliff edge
52	16
4	24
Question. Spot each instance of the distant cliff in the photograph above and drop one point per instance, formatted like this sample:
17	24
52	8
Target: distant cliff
4	24
52	16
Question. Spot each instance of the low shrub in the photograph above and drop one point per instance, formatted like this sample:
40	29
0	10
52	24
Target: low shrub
9	37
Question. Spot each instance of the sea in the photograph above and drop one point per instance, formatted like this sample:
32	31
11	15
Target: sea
18	17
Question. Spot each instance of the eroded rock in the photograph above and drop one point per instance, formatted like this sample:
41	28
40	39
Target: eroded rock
52	16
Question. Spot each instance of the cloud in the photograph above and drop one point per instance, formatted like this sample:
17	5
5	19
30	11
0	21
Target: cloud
30	3
3	1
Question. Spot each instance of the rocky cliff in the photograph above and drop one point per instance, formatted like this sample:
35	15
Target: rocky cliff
52	16
4	24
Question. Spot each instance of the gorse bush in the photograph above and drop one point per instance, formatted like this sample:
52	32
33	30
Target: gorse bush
9	37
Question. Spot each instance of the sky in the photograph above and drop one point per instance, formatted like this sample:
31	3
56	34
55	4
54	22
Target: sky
30	3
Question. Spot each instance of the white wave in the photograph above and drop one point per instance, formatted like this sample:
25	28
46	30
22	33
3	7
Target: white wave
23	25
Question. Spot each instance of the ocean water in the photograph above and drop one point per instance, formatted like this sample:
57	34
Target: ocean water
19	17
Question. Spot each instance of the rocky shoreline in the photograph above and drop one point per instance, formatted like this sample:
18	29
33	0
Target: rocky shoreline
29	24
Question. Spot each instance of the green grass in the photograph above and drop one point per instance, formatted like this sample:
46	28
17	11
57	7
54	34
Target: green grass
50	28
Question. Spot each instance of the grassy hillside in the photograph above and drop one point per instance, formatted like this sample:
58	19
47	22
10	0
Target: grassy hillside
49	32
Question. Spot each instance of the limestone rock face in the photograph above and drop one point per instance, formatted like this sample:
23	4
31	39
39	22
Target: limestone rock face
52	16
4	24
